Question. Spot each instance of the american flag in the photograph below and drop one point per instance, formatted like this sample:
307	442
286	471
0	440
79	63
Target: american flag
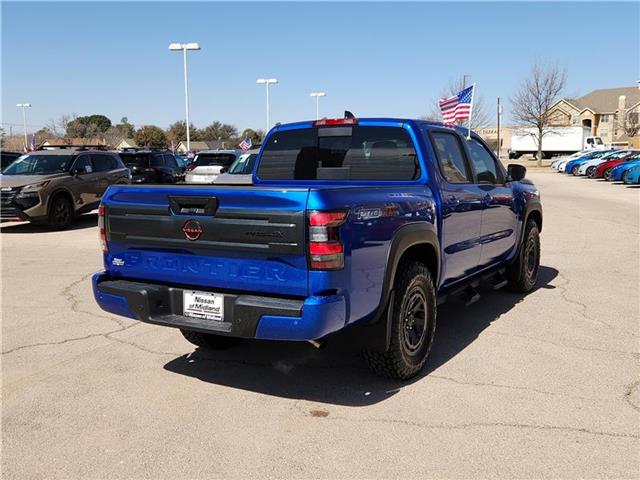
458	107
245	144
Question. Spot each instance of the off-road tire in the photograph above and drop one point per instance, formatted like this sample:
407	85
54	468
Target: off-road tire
208	340
411	339
60	213
522	274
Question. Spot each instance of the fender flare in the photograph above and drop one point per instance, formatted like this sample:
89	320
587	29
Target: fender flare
375	334
533	205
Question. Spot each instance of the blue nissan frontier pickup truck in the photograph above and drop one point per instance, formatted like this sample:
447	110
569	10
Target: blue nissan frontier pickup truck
364	224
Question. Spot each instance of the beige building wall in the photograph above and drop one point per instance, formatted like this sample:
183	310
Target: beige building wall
490	135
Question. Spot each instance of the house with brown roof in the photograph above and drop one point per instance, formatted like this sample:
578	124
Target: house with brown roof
126	143
198	145
611	113
50	143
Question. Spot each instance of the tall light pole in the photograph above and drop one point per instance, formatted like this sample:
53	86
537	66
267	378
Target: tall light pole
267	82
498	115
174	47
318	95
24	122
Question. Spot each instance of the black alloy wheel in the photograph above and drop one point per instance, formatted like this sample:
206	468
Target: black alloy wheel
60	214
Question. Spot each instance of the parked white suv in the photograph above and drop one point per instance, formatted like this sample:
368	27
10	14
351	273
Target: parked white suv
207	164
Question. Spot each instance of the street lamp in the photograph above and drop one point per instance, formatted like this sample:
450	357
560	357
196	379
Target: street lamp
267	82
317	95
24	122
175	47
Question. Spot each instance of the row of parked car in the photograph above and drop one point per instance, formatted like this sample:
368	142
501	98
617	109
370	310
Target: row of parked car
54	186
612	165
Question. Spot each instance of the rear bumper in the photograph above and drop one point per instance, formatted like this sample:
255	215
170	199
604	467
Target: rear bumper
246	316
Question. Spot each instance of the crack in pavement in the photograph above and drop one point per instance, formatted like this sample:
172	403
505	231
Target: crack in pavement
72	298
510	387
68	340
628	392
582	307
562	345
469	425
74	302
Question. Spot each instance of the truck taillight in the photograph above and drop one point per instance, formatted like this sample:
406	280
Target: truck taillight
102	232
326	251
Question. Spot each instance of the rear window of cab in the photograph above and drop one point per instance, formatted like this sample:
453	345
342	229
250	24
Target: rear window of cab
340	153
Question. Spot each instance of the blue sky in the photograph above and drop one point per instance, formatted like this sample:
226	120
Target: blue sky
375	59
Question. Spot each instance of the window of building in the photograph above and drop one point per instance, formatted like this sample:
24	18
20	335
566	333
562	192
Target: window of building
604	118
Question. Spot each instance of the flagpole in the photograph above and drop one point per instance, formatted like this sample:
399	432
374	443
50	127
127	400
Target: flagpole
473	92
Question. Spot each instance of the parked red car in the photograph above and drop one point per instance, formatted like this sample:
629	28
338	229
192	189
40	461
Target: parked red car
604	169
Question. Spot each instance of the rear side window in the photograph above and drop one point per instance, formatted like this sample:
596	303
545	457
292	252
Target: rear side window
451	157
101	163
157	160
340	153
170	161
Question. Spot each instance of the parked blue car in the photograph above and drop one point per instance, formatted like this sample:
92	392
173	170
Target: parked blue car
618	173
633	176
575	164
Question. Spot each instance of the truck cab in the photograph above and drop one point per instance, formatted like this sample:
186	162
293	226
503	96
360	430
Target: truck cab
593	142
350	223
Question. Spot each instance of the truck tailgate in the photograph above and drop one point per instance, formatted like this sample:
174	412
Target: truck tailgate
250	239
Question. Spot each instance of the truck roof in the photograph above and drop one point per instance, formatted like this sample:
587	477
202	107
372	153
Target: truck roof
377	121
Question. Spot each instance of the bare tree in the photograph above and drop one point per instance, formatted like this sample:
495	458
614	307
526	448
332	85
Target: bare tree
533	99
630	123
480	116
58	127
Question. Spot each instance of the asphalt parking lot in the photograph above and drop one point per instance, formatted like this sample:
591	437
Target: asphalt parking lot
543	386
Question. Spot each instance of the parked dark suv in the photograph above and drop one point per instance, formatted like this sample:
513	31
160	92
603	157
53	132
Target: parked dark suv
148	166
52	186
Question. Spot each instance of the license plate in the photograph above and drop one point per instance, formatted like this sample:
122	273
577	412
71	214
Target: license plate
206	305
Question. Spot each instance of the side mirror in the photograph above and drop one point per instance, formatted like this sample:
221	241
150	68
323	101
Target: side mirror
516	172
224	170
79	170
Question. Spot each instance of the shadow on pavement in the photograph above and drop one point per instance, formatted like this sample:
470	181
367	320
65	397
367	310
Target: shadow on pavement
83	221
337	374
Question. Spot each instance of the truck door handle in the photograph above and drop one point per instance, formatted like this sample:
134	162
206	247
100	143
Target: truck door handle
193	205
